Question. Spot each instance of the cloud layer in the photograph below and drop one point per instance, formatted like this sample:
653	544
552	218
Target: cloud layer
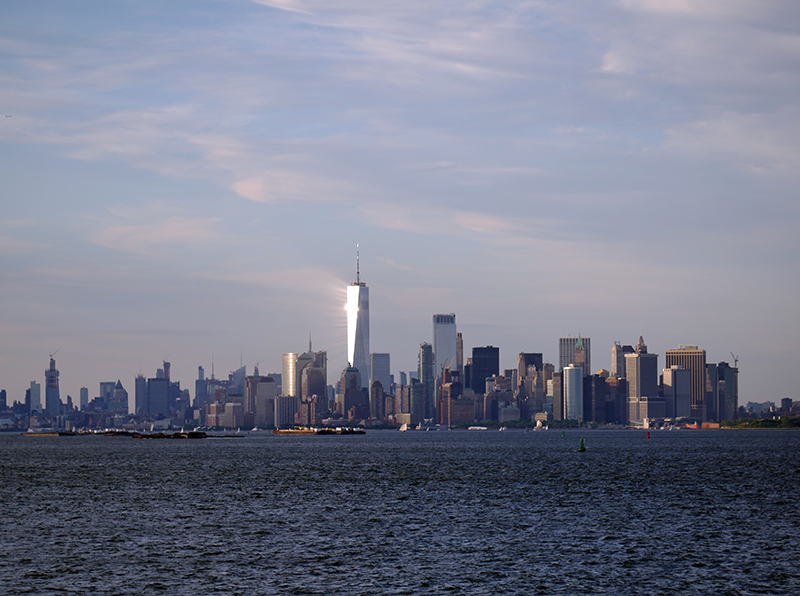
539	168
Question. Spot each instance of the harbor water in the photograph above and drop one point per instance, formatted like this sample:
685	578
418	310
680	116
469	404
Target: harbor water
458	512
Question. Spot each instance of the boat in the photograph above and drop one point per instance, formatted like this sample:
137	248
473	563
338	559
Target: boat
295	431
305	430
404	427
478	428
192	434
48	433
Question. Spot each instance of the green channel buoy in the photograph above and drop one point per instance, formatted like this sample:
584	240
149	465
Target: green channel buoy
582	448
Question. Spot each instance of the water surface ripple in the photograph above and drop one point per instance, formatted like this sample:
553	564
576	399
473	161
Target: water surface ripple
703	512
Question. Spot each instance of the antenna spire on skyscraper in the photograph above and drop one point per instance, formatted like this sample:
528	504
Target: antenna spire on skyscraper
358	266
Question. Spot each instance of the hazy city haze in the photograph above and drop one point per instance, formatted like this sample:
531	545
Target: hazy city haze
191	179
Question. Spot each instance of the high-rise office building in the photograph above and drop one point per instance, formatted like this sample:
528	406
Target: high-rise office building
289	374
377	405
303	361
728	391
426	375
379	366
573	392
36	398
577	351
158	397
312	382
445	343
676	382
84	397
52	397
459	352
106	392
618	352
712	392
526	360
201	397
485	364
641	371
140	395
556	393
594	398
694	360
416	402
321	362
358	325
349	395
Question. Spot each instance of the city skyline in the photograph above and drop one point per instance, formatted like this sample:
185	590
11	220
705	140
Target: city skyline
188	184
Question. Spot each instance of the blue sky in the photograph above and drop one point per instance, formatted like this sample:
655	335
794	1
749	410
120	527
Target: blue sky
185	179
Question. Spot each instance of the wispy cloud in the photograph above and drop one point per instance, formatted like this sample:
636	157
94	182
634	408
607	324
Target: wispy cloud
156	235
10	245
764	144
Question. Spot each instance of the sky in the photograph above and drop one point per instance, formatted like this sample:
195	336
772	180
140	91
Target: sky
188	180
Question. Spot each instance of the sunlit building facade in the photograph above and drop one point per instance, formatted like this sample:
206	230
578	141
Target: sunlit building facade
357	308
694	360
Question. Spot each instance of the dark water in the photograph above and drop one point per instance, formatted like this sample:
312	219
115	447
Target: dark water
687	512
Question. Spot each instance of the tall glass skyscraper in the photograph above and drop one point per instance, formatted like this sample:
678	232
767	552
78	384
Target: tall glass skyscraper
52	400
357	308
426	379
444	343
573	392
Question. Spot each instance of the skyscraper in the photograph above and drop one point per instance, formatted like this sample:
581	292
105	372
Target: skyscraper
36	398
350	395
694	360
379	366
158	402
577	351
460	352
426	378
303	361
573	392
445	345
52	397
357	308
288	374
527	359
677	387
106	392
712	392
641	371
728	391
140	399
618	352
485	363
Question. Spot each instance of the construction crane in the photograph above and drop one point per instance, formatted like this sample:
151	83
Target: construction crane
735	361
54	353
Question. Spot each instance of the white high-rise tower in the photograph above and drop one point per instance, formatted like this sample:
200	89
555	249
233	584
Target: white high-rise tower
358	324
